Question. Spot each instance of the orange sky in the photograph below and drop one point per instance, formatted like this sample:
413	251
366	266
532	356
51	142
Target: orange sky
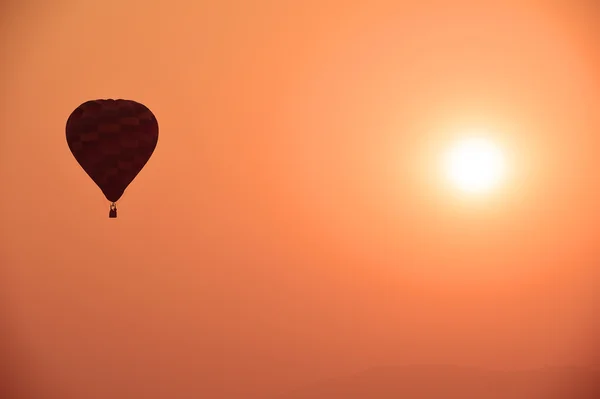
289	226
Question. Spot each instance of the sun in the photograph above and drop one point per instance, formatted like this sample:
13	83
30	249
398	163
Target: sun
474	165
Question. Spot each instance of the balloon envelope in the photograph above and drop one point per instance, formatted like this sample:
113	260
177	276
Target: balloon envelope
112	140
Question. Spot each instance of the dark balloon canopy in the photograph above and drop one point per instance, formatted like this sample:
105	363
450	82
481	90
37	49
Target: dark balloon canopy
112	140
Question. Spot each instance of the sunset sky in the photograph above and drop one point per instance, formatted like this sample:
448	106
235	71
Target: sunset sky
293	223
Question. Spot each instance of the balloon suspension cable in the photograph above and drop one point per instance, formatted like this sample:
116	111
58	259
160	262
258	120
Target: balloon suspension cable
113	211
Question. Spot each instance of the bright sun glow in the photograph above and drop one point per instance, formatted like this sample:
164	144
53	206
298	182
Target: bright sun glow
474	165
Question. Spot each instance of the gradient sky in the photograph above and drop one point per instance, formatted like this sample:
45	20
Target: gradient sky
290	225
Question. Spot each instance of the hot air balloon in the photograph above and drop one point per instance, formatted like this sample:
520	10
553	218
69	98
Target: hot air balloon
112	140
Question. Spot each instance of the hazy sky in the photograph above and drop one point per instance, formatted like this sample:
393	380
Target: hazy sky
291	224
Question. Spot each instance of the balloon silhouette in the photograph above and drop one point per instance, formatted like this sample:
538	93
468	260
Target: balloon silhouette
112	140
